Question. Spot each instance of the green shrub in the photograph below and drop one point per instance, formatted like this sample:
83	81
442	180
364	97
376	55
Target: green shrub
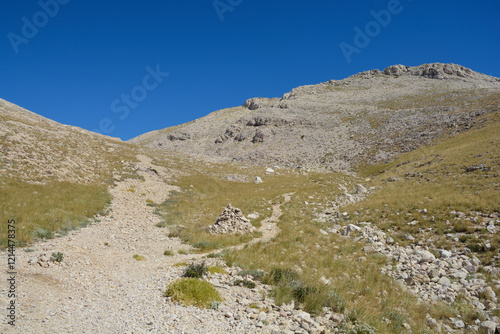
43	233
192	291
278	275
196	270
256	274
336	302
139	257
168	253
58	256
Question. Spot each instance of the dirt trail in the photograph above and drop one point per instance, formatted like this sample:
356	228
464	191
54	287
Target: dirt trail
100	287
269	227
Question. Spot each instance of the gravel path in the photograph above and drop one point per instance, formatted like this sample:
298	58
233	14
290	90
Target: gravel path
100	288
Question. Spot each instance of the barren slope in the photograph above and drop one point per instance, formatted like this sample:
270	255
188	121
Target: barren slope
369	116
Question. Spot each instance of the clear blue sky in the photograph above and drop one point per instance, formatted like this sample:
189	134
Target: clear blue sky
86	57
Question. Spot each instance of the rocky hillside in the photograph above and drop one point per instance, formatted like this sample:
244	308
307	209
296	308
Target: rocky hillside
36	149
334	125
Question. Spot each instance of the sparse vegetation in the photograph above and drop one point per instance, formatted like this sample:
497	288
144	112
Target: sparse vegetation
216	270
168	253
139	257
58	257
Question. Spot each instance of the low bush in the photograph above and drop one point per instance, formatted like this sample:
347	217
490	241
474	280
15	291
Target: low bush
192	291
195	270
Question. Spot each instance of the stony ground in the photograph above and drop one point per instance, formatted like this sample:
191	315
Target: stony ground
100	288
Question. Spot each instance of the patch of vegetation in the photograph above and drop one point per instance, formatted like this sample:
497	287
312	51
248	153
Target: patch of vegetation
216	270
206	245
215	255
139	257
196	270
244	282
58	256
42	209
192	291
180	264
168	253
256	274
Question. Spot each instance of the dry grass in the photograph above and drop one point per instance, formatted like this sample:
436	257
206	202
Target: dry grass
39	210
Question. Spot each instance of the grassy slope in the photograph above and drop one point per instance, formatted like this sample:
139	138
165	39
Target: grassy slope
435	178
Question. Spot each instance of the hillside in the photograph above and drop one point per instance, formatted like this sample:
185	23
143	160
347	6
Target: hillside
390	226
371	116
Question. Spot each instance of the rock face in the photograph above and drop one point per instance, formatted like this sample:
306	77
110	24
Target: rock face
371	116
231	221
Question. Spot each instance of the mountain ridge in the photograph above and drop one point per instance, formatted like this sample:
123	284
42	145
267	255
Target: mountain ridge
336	124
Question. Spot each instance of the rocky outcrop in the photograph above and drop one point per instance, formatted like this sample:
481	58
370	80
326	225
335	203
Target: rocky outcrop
433	71
179	136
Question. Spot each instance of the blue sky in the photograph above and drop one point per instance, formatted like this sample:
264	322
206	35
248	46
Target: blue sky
102	65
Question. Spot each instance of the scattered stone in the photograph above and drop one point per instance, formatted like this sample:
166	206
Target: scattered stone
258	180
487	327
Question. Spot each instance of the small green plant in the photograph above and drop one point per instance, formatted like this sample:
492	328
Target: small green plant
358	328
215	255
139	257
183	251
246	283
277	275
43	233
256	274
196	270
58	256
192	291
168	253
